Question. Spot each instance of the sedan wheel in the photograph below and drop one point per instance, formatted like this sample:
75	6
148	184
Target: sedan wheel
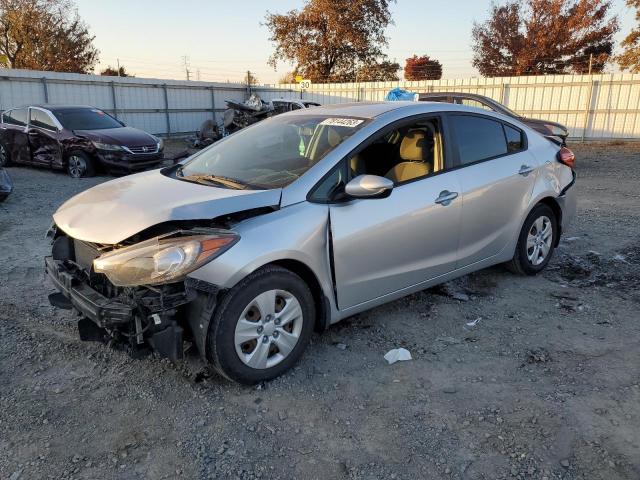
536	241
539	240
261	326
77	166
268	329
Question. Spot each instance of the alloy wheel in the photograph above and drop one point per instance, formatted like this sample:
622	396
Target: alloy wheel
77	166
539	240
268	329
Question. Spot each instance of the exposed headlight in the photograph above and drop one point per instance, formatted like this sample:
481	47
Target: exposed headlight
162	260
160	143
107	146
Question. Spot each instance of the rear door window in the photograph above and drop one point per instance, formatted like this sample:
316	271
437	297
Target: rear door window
41	119
515	141
478	138
16	117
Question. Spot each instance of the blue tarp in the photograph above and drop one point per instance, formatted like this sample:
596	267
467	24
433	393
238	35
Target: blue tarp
398	94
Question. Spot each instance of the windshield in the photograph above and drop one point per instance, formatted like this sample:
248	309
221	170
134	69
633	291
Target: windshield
86	119
270	154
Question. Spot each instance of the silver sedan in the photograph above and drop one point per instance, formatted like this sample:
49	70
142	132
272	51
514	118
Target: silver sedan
301	220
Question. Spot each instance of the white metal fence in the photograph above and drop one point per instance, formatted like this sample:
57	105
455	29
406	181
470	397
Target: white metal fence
164	107
591	106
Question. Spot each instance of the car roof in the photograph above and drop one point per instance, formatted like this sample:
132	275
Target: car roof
360	109
60	108
463	94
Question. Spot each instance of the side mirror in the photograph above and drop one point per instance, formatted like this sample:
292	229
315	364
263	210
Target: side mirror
369	186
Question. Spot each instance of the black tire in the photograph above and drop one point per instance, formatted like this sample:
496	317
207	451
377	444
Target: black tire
221	349
5	156
80	165
520	263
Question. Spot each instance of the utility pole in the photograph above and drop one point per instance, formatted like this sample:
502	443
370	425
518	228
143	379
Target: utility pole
118	62
185	62
590	62
248	82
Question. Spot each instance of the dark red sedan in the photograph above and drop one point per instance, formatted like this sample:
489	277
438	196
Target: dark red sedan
79	139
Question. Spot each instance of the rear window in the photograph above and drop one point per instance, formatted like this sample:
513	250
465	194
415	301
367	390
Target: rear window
15	117
478	138
86	119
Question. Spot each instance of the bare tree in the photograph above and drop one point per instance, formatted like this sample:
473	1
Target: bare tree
45	35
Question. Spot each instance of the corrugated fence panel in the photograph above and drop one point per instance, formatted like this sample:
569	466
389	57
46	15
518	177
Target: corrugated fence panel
592	107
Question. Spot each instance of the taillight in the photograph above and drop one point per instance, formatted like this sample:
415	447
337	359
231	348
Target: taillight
567	157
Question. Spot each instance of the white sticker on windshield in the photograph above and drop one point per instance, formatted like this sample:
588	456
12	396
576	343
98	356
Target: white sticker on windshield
342	122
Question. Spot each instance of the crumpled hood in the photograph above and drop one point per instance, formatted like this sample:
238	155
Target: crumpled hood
131	137
114	211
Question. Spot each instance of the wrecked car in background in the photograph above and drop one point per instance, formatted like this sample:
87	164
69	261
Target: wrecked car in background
552	130
6	184
242	114
78	139
302	220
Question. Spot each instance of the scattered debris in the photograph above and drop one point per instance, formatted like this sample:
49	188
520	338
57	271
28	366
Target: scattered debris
621	258
341	346
570	239
397	355
538	355
473	323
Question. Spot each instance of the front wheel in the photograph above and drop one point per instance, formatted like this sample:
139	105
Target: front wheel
536	242
262	326
79	165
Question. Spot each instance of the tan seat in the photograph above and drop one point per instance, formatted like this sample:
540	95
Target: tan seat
412	154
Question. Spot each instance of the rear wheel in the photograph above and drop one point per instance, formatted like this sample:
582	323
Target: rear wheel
262	326
79	165
5	158
536	242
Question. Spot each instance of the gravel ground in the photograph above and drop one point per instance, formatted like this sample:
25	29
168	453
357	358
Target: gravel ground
545	385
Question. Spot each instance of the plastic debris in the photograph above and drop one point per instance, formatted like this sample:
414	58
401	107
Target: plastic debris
398	95
473	323
397	355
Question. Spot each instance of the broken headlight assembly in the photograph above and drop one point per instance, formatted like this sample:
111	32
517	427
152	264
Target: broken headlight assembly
162	259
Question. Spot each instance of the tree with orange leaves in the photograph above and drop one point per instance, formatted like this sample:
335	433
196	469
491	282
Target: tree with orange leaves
537	37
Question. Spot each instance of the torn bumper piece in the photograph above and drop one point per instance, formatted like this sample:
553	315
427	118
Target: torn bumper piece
103	311
154	320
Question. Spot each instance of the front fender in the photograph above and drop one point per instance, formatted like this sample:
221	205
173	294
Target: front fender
298	232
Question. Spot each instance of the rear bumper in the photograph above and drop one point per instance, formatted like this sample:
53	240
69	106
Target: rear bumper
103	311
568	203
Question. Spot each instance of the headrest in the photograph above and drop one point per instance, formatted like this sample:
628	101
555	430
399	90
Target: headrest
411	148
333	137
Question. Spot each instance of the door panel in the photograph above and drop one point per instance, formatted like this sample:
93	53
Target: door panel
43	139
384	245
495	197
14	133
45	149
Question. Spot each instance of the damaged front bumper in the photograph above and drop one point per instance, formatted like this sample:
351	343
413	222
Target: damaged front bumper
137	318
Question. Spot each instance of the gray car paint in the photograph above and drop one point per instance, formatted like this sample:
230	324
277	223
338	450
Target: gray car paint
114	211
418	247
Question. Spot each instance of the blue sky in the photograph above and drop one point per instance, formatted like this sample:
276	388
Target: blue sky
224	39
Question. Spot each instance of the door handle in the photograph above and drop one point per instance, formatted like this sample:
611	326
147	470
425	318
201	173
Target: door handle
446	197
525	170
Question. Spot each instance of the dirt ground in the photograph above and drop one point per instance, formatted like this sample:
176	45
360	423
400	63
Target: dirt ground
545	385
